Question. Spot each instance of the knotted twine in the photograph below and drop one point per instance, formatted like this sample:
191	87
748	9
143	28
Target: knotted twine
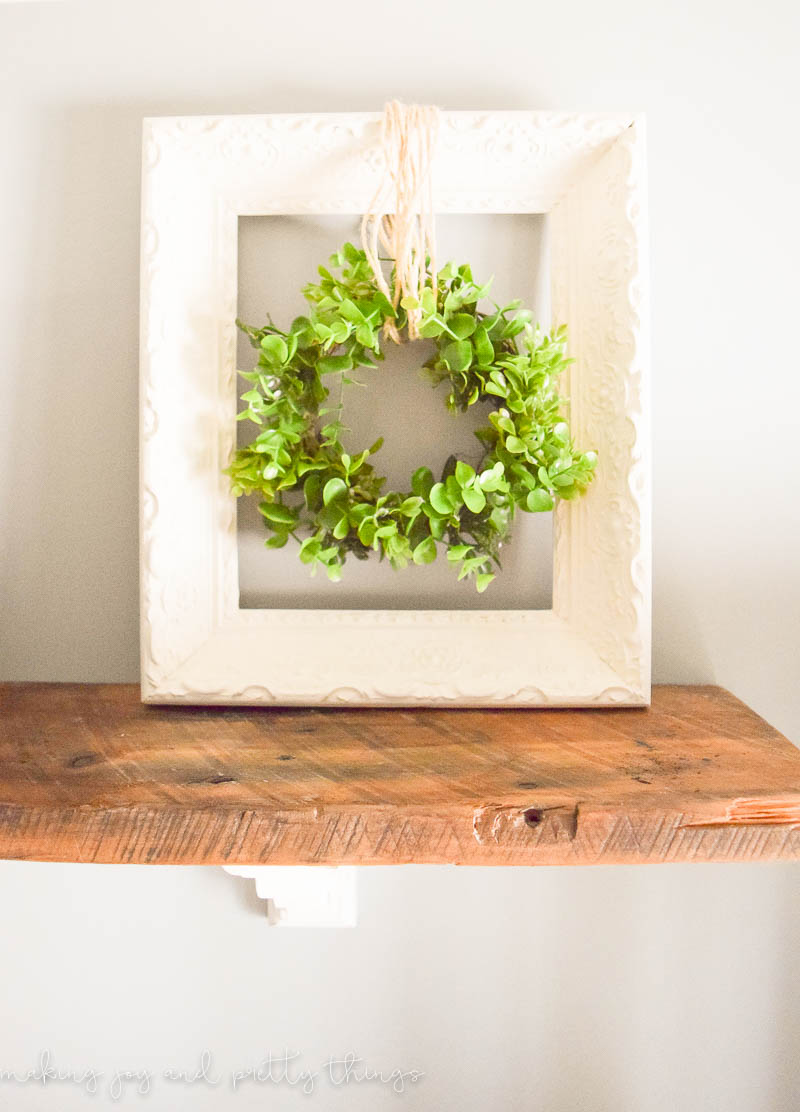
400	215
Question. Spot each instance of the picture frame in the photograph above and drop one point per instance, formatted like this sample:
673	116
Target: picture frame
587	172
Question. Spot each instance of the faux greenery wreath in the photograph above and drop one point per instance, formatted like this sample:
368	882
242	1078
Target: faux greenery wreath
332	502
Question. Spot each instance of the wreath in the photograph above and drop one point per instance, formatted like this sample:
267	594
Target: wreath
332	501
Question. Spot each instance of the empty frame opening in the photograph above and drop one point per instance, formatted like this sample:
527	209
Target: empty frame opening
278	255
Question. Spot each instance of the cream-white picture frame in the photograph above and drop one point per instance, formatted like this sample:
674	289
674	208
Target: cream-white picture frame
587	172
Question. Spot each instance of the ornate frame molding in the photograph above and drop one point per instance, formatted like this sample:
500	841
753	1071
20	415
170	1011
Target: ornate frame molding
593	648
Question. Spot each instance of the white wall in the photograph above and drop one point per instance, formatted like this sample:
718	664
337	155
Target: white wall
626	989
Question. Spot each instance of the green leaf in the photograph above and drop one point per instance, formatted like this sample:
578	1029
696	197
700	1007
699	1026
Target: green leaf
311	489
331	431
560	431
301	329
492	478
431	328
428	301
329	515
309	550
425	552
358	462
501	420
464	473
514	444
439	500
273	511
350	312
366	532
458	355
333	489
499	518
474	499
461	325
483	580
334	364
453	489
275	349
539	501
410	507
484	348
278	541
304	465
341	528
422	481
398	550
457	552
437	527
340	330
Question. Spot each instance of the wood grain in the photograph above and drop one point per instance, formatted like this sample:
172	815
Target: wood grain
88	773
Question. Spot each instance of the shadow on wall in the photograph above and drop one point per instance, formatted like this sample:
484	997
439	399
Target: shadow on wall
70	574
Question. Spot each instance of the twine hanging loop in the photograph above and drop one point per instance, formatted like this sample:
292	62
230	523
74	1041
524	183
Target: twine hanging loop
400	216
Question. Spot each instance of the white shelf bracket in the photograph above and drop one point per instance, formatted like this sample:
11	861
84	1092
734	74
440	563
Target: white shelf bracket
304	895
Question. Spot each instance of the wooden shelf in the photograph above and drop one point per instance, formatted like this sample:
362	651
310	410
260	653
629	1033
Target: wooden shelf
87	773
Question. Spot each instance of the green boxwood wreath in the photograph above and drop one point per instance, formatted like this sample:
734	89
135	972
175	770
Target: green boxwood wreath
332	502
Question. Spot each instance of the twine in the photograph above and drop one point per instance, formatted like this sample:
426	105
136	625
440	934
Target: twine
400	216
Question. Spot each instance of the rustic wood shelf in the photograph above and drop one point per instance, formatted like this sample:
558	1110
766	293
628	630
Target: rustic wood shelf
87	773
